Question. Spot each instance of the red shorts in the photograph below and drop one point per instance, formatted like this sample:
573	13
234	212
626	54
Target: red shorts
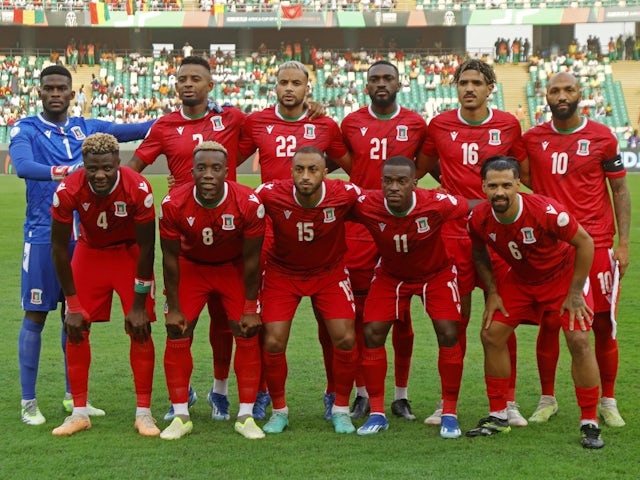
97	273
601	276
199	281
361	259
528	303
389	297
330	293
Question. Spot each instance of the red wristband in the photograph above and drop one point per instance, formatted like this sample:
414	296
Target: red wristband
73	304
250	307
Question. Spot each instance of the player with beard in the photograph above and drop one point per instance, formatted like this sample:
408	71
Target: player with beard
572	159
461	140
374	134
277	133
535	236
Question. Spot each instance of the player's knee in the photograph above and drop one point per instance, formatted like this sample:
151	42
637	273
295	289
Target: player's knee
579	344
491	340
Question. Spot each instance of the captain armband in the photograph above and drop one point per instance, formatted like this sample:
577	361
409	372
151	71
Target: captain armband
613	164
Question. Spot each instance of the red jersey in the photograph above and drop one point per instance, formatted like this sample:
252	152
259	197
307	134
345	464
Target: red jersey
569	167
211	235
410	246
279	138
105	220
307	239
175	136
535	243
463	147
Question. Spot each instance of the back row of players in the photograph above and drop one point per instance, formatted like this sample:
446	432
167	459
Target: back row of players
561	159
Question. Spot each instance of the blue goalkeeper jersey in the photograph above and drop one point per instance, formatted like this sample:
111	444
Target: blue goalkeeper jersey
38	144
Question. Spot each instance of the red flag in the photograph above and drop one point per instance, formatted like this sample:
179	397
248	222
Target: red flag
131	7
292	11
17	15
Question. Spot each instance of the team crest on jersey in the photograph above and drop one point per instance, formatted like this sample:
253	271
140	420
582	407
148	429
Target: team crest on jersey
190	221
583	148
492	236
227	222
78	133
86	206
36	296
121	209
382	226
329	214
216	121
423	224
454	135
527	235
309	131
363	131
402	133
287	214
494	137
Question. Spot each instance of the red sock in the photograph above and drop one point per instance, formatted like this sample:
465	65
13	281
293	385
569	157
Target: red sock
606	353
327	351
275	371
450	368
588	402
78	362
344	371
142	359
178	365
220	338
512	345
402	338
374	365
247	365
462	335
497	392
547	353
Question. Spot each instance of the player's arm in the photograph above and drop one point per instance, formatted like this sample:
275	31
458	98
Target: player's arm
426	164
493	302
22	157
127	132
574	303
314	110
343	162
175	321
250	320
76	318
622	210
525	173
137	320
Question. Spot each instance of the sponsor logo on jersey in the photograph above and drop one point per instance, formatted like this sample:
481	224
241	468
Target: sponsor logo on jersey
47	133
309	131
492	236
180	130
121	209
563	219
14	131
78	133
260	212
550	210
227	222
36	296
527	235
402	132
494	137
363	130
423	224
190	221
287	214
583	148
454	135
544	146
216	121
269	129
148	200
86	206
382	226
329	214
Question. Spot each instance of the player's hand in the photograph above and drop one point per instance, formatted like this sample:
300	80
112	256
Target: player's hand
171	181
74	326
316	110
75	167
491	306
621	255
176	323
137	324
250	323
578	310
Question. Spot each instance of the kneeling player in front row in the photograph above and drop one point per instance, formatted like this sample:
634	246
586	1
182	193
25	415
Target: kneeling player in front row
535	235
211	235
117	241
405	224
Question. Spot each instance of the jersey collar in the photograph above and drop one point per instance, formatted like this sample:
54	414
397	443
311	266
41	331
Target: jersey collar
324	193
573	130
384	117
212	205
57	126
290	119
467	122
518	215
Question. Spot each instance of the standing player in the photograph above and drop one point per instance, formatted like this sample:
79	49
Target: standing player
569	157
115	206
546	282
405	223
175	135
44	149
462	140
211	236
307	259
278	132
373	134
